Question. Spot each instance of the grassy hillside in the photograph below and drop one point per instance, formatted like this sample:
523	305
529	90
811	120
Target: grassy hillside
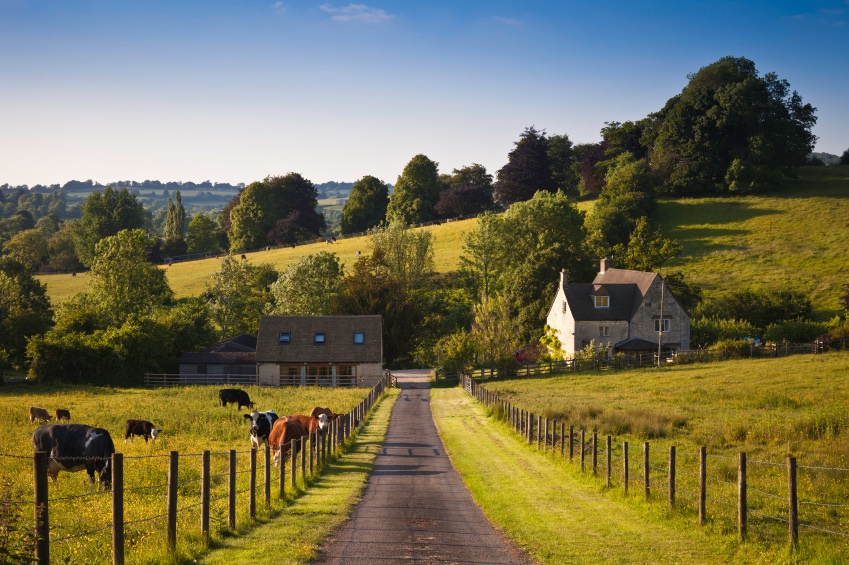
795	237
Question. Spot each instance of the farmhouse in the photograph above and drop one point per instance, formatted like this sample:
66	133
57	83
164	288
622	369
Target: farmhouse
320	350
232	360
623	310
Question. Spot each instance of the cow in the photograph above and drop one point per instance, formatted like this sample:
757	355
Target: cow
261	424
74	447
311	423
235	396
63	414
285	429
327	411
140	428
36	413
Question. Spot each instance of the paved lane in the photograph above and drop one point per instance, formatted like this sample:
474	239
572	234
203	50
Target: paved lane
416	508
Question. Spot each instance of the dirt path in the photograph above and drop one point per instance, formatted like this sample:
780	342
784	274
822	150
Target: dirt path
416	508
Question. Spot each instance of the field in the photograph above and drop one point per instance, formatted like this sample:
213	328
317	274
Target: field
768	408
191	420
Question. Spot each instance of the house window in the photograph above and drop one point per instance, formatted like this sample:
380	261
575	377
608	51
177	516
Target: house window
604	331
359	338
284	338
319	338
664	328
602	302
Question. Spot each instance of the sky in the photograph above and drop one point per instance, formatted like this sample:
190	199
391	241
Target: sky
234	91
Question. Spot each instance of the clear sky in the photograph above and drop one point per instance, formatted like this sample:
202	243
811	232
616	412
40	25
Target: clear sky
228	91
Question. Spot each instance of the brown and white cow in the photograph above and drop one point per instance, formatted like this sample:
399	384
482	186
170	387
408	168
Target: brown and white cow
318	410
63	414
285	429
74	447
310	423
36	413
140	428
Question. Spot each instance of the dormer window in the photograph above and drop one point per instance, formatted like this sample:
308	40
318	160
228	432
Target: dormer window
319	338
285	338
602	301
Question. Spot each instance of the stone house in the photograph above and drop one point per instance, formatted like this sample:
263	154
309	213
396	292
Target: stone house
320	350
231	360
623	310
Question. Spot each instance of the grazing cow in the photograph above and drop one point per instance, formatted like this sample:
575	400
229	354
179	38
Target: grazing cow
74	447
63	414
285	429
311	423
36	413
235	396
261	424
327	411
140	428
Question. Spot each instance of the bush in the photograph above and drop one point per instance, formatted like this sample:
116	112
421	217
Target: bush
794	331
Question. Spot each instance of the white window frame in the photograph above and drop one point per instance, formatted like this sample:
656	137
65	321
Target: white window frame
602	301
667	324
604	331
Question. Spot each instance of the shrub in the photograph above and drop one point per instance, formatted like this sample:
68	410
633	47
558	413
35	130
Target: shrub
794	331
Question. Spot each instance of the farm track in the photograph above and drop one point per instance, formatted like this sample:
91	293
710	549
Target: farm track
416	508
577	523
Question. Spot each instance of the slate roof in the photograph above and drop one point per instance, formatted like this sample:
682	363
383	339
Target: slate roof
581	301
338	346
238	350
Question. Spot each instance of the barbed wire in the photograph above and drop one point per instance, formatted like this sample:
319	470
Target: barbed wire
720	501
769	463
762	515
812	527
82	534
148	519
751	488
811	467
827	504
151	487
12	456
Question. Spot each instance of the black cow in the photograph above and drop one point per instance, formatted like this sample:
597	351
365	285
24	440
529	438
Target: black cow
74	447
235	396
261	424
140	428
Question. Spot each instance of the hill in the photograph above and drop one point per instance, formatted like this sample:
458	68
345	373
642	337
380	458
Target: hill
794	237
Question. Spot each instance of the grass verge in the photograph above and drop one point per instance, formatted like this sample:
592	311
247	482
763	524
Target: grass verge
296	534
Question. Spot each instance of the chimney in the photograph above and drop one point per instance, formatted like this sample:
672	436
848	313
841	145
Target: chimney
563	279
605	264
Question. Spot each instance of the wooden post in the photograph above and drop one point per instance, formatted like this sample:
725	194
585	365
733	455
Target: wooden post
172	501
294	461
741	495
609	453
530	427
252	488
539	431
625	466
571	442
545	436
671	476
562	438
281	475
792	508
117	509
42	523
266	455
702	484
595	453
304	459
204	496
313	437
231	491
583	454
646	469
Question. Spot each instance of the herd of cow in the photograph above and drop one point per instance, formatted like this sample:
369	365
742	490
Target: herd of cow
74	447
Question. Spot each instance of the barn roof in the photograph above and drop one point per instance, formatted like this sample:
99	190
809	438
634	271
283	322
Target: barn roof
302	346
237	350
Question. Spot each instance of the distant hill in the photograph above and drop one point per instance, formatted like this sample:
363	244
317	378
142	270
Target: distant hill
826	158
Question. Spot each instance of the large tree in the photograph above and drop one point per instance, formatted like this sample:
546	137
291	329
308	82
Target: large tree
730	130
202	234
469	192
237	295
416	192
527	171
103	215
366	206
309	287
24	309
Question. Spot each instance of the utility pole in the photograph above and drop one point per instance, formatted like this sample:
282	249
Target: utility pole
660	324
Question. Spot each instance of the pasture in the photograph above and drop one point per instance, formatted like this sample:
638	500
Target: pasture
191	420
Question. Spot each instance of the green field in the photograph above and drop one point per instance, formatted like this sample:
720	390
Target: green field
192	420
768	408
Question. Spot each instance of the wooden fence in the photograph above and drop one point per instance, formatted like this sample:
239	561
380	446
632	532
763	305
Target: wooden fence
177	379
313	452
748	497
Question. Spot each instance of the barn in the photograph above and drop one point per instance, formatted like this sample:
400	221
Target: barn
335	351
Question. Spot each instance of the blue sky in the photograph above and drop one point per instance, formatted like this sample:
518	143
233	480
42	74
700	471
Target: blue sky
235	91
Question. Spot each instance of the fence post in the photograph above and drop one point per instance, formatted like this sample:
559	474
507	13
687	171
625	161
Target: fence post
625	466
583	455
172	500
793	514
539	431
42	523
702	484
562	438
281	474
304	459
266	456
313	437
294	462
671	476
595	453
609	453
252	489
118	509
646	469
231	490
741	495
204	496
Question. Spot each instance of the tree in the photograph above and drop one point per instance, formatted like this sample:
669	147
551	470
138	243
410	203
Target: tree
416	192
309	287
61	253
494	332
237	295
407	254
123	282
588	167
103	215
29	247
730	130
483	254
366	206
646	250
202	235
527	171
625	137
844	159
562	158
469	192
24	309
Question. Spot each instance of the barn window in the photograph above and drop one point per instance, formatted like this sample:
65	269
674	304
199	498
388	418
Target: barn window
319	338
664	328
284	338
359	338
602	301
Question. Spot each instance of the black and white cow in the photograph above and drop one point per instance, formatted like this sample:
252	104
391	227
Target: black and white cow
235	396
74	447
261	424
